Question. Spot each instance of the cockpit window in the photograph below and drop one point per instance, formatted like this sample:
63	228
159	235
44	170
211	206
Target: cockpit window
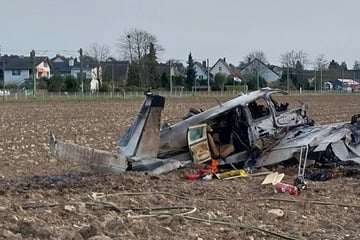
283	102
259	108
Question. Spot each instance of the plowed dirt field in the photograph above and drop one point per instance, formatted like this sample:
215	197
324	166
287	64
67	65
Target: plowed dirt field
44	198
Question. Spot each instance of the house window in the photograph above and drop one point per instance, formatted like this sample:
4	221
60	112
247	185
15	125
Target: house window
220	69
16	72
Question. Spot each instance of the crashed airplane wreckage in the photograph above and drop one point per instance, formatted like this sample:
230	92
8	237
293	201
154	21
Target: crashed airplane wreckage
254	129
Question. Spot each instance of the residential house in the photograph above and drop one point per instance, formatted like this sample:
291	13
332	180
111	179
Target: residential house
21	68
177	71
221	66
61	65
71	66
346	84
269	73
65	66
328	86
89	68
318	78
201	70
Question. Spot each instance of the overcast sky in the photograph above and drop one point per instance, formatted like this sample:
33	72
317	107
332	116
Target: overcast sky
208	28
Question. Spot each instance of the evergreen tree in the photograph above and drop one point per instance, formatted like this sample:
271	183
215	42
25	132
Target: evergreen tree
164	81
178	80
151	75
134	75
190	73
334	65
343	66
292	74
55	83
71	84
356	65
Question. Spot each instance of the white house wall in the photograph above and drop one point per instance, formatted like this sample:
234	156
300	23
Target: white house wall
199	72
220	68
264	72
16	79
94	74
45	66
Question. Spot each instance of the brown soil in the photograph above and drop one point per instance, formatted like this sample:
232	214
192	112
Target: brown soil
43	198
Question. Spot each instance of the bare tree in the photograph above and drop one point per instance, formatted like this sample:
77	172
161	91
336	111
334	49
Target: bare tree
135	44
320	62
292	59
258	54
256	69
99	53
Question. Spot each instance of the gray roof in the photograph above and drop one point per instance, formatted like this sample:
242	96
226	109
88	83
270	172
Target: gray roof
21	62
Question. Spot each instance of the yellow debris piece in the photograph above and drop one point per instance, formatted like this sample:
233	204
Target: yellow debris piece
239	172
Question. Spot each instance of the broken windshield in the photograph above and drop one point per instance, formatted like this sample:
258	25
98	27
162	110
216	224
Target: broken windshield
283	102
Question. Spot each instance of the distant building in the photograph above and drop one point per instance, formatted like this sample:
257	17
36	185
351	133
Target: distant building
346	84
64	66
328	86
201	70
269	73
221	66
21	68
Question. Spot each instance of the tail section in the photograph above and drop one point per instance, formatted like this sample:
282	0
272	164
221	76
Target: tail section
139	144
142	138
98	160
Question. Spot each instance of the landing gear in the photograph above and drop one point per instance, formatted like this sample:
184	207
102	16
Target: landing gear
299	181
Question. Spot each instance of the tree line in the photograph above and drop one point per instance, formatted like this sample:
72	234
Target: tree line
141	49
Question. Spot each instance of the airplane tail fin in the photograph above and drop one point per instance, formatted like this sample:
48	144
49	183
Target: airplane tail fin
142	138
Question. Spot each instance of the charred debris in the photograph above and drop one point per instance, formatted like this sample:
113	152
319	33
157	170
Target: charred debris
250	131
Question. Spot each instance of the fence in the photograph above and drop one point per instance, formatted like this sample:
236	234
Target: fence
48	96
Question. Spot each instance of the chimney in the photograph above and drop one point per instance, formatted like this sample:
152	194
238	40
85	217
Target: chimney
224	59
204	64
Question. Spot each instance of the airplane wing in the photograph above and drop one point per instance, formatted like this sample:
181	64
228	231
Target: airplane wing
342	138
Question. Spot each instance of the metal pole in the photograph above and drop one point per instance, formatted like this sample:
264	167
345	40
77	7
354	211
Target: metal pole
195	84
208	74
342	79
112	77
315	79
81	70
3	69
170	75
321	86
32	55
129	37
288	80
257	75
